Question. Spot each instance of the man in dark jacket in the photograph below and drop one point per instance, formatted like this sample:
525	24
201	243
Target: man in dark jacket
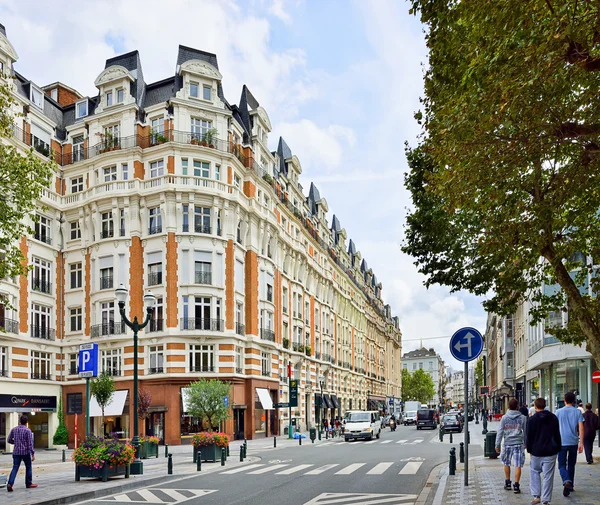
524	410
590	426
543	442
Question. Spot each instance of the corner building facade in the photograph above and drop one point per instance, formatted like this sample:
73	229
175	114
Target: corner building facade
169	187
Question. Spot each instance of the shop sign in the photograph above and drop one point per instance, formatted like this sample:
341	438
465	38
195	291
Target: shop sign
27	403
293	393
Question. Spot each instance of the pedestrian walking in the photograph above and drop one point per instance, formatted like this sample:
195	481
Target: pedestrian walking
532	410
512	430
524	410
570	421
22	439
590	426
543	442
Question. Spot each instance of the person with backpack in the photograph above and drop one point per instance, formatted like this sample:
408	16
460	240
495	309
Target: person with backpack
512	430
590	426
571	423
543	442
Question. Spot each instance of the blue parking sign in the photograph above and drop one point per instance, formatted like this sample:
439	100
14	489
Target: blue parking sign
88	360
226	400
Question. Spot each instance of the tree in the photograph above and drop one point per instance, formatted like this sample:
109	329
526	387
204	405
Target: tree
102	388
506	181
23	177
479	378
419	386
406	387
206	401
144	403
61	435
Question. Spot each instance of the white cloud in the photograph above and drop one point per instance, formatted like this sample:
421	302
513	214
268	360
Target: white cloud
279	12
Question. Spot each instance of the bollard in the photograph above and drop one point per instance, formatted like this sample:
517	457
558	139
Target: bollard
170	464
195	455
461	452
326	434
166	450
64	456
441	435
274	441
199	462
222	456
241	454
228	451
451	441
319	434
300	439
244	450
452	462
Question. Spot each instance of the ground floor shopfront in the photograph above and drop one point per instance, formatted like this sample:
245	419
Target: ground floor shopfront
38	401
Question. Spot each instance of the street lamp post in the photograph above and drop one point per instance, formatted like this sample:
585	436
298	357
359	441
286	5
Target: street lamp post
137	467
321	384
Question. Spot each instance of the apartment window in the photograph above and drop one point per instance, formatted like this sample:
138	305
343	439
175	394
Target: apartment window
37	97
269	293
154	274
194	89
265	363
76	271
156	359
237	182
81	109
42	229
414	366
201	169
219	222
203	272
122	222
185	211
40	365
420	365
75	230
120	95
106	278
110	174
202	219
284	299
207	92
77	185
239	233
76	318
239	359
40	322
78	148
109	98
218	172
53	92
184	166
113	131
41	276
73	363
110	361
155	221
200	127
157	168
431	365
3	361
156	322
306	312
125	171
108	227
202	358
157	126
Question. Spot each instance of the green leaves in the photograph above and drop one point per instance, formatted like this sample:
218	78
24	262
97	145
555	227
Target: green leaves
206	401
417	386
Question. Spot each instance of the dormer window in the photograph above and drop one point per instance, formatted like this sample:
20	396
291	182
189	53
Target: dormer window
81	109
207	93
109	98
37	97
120	95
54	94
194	89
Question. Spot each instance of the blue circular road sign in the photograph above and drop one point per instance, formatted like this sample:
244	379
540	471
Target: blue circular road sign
466	344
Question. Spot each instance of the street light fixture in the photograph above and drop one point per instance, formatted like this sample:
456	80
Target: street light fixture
121	293
321	384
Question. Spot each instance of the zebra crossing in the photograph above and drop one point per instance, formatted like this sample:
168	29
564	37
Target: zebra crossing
362	499
371	442
408	466
153	495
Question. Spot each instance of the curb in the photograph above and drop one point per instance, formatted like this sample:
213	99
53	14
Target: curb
151	482
423	495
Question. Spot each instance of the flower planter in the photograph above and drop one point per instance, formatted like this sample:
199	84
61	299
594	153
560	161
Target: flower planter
101	473
208	452
148	450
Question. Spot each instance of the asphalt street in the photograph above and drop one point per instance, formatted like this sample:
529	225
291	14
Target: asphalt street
392	470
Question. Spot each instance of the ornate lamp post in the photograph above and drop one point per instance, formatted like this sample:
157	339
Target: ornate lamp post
321	384
121	293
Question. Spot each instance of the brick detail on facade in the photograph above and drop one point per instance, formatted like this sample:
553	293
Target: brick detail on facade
251	290
175	346
172	281
20	351
88	286
229	285
138	170
56	150
312	324
23	290
278	305
60	289
249	189
136	279
143	139
171	164
20	375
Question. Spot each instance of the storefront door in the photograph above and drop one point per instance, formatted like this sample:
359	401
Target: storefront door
2	432
38	423
155	425
238	424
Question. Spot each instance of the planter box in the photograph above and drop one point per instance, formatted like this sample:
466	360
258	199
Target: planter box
209	452
103	473
148	451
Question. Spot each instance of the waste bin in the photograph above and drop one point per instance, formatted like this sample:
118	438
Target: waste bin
313	433
489	445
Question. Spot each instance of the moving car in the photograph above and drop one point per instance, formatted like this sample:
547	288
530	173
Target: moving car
410	418
426	418
452	422
362	424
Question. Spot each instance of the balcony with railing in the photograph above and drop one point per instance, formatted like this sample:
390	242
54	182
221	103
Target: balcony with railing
198	323
73	370
155	370
106	282
239	369
202	368
153	230
266	373
43	237
41	376
43	332
107	329
107	233
240	329
3	373
155	278
317	355
326	357
154	325
41	285
297	347
203	278
113	372
9	325
266	334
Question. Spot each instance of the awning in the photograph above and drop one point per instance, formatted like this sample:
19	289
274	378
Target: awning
335	401
318	401
327	403
114	408
265	398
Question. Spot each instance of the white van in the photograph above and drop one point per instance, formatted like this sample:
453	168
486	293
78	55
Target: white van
361	424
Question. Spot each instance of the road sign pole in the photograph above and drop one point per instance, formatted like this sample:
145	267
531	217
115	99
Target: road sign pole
290	407
467	423
87	407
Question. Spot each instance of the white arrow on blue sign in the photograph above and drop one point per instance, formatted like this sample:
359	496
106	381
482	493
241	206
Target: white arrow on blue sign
466	344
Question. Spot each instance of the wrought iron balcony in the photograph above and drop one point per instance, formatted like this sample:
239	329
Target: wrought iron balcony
266	373
106	282
199	228
43	237
9	325
107	233
155	370
41	376
202	368
3	373
153	230
41	285
239	370
155	278
198	323
74	370
107	329
203	278
113	372
267	334
155	325
43	332
240	329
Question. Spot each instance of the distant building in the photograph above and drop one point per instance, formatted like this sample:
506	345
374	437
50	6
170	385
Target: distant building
458	388
431	362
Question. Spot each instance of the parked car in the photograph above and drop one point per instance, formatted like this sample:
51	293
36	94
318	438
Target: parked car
452	422
410	418
426	418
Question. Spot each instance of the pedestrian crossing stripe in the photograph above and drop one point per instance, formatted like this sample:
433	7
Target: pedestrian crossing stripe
401	442
161	496
362	499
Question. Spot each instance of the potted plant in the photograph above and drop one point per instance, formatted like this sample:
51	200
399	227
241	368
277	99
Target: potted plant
61	435
308	350
149	447
210	137
205	444
99	458
268	178
286	342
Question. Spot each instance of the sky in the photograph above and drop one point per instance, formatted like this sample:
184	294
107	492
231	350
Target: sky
340	80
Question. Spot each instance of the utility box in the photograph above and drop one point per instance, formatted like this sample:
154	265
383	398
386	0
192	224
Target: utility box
489	445
313	433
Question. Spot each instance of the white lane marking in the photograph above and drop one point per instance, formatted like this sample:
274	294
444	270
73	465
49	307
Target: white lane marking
260	471
365	499
121	498
350	468
149	496
401	441
173	493
379	468
243	468
322	469
386	442
411	468
416	441
294	469
370	442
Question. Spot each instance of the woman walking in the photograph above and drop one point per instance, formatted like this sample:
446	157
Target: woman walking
590	426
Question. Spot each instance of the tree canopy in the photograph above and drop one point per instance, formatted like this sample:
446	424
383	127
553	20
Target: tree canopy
102	388
23	177
206	401
506	181
417	386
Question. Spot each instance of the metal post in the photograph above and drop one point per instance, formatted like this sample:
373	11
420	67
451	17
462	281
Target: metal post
319	433
170	465
137	467
467	423
198	462
299	438
452	462
441	434
241	453
461	452
63	456
451	438
290	434
222	456
274	441
166	450
228	451
87	406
